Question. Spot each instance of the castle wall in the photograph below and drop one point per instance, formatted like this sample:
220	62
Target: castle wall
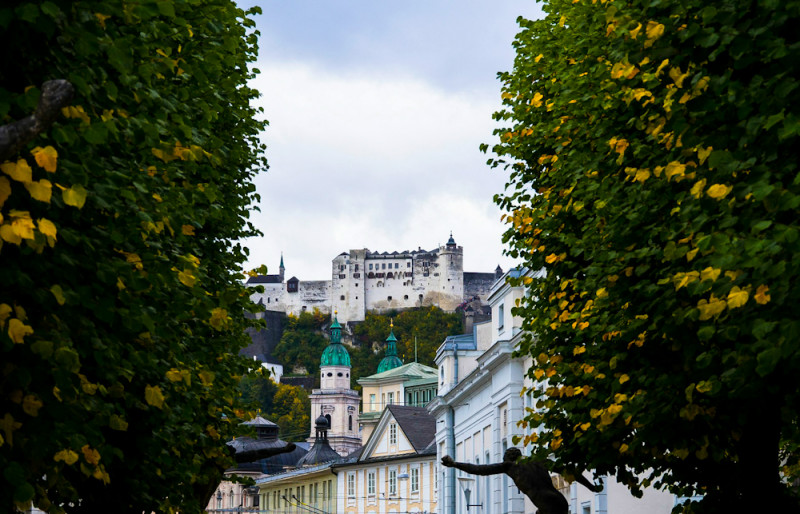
362	281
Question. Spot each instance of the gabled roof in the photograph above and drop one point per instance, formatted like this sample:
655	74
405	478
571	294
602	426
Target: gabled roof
410	371
417	424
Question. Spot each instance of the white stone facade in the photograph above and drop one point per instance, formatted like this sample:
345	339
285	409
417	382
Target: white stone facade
364	281
340	404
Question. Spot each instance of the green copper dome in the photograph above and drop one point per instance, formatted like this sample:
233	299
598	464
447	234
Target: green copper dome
391	360
335	354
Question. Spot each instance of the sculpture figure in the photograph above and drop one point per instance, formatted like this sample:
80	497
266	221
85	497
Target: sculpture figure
532	478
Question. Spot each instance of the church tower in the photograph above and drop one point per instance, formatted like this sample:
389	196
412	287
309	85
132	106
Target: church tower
281	268
391	360
335	400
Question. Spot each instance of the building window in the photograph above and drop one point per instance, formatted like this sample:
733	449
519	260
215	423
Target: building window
371	483
392	433
356	267
405	297
415	480
350	423
392	482
500	316
396	265
372	402
408	264
391	399
388	298
370	266
341	297
383	265
351	485
230	500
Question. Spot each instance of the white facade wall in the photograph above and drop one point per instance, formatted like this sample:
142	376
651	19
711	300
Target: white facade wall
400	281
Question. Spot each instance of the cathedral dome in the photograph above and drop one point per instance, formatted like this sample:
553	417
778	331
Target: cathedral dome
335	354
391	360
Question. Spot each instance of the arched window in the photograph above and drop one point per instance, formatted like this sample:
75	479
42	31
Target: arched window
350	422
230	499
328	417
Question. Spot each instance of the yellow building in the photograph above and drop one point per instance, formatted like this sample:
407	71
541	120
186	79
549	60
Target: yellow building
299	491
395	470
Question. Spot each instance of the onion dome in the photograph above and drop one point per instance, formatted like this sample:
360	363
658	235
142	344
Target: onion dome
321	451
390	361
335	354
451	241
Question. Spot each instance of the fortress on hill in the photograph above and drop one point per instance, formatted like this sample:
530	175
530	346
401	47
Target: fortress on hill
364	281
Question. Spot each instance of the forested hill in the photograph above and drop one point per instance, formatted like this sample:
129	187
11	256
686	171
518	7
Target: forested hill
305	338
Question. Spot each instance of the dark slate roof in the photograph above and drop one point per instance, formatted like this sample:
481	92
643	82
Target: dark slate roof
417	424
264	279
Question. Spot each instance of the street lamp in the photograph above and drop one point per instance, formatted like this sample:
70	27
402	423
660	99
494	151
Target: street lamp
467	492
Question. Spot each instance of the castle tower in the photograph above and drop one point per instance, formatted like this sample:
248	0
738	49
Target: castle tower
390	361
335	400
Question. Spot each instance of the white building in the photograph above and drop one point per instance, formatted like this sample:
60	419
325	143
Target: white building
364	281
477	411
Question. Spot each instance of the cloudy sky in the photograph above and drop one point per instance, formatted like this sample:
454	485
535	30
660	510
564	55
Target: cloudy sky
376	112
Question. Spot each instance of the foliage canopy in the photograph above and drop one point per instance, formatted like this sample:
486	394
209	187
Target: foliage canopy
653	177
120	306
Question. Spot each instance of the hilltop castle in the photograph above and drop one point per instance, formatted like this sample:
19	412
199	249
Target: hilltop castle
364	281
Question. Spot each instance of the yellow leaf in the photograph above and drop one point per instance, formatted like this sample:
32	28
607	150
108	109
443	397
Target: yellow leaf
719	191
19	171
68	456
58	293
737	297
46	157
578	350
550	259
46	227
219	318
5	191
623	448
690	254
186	278
623	379
31	405
653	31
206	377
710	274
91	455
711	307
536	101
703	154
538	58
17	330
678	77
683	279
153	396
697	188
22	224
74	196
5	312
562	21
761	295
101	18
635	32
7	234
585	426
41	190
602	293
673	169
642	175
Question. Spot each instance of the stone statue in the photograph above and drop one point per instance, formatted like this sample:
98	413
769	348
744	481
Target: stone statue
532	478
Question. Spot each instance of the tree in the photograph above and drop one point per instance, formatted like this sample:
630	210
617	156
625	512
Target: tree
653	178
286	405
430	326
120	302
302	342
